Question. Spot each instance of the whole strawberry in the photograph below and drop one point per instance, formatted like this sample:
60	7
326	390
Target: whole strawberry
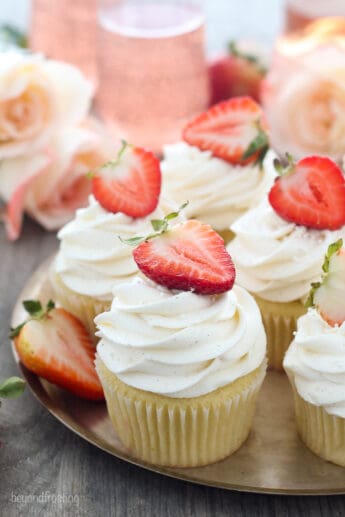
234	74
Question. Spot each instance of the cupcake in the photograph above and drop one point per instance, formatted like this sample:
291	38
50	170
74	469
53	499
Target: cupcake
221	166
92	258
279	245
315	364
181	355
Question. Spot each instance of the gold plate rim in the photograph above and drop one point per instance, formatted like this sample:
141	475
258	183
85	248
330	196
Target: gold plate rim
42	394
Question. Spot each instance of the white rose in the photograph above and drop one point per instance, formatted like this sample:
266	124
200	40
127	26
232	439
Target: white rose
304	101
52	183
37	97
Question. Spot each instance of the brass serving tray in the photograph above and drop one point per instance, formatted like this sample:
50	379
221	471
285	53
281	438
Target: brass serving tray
273	460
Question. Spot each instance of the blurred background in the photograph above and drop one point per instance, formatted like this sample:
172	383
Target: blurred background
225	19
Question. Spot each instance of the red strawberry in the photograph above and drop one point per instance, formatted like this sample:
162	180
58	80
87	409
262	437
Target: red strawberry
328	296
232	130
130	184
311	193
55	345
190	256
235	73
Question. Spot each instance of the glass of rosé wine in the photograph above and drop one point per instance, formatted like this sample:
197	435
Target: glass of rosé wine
152	68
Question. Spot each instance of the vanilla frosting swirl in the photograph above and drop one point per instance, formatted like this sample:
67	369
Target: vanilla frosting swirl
316	363
275	259
92	258
218	192
178	343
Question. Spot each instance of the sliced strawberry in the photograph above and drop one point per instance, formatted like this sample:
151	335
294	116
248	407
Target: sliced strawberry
328	296
233	130
57	347
190	256
311	193
130	184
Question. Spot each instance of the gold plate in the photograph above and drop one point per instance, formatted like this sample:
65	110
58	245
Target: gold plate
273	460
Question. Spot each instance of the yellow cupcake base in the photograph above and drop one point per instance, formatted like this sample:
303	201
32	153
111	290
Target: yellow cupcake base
322	433
280	321
83	307
185	432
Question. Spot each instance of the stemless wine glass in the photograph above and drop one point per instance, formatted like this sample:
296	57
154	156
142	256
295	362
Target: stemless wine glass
152	68
299	13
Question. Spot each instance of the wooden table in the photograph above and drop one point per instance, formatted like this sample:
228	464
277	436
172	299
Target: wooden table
64	475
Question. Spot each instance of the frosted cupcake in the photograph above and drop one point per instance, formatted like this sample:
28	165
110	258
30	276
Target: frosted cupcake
279	245
221	166
181	362
315	364
92	258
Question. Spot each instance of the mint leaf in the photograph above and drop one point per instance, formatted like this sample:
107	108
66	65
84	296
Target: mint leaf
12	387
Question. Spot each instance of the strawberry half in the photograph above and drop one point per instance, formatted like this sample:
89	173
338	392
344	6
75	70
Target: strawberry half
233	130
130	184
55	345
328	296
311	193
190	257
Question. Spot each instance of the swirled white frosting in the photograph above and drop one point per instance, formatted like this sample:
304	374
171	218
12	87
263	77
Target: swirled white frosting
316	363
92	258
275	259
178	343
218	192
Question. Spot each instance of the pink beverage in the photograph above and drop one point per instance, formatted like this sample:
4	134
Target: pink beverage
66	30
152	69
299	13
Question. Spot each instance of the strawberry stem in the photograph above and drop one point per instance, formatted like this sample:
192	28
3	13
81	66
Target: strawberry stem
332	250
259	144
36	312
281	168
159	226
251	58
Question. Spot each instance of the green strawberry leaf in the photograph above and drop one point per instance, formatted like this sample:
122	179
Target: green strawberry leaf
283	168
10	36
12	387
247	56
259	143
159	226
331	250
33	307
36	312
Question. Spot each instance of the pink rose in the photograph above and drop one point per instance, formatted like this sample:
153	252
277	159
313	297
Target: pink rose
52	183
304	93
38	97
